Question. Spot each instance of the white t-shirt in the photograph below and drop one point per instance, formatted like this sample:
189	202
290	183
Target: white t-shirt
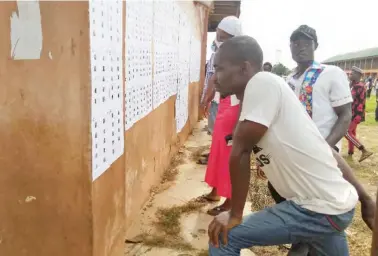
234	100
330	90
293	154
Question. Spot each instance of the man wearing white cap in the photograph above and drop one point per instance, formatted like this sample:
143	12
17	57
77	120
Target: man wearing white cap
227	113
228	27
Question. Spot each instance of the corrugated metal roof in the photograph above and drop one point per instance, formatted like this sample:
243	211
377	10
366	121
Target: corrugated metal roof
222	9
371	52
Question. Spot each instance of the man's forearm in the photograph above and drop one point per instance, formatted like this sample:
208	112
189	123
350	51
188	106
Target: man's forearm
339	130
240	174
349	176
374	245
210	90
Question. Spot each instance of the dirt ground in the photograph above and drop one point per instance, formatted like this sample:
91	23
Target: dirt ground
173	224
359	235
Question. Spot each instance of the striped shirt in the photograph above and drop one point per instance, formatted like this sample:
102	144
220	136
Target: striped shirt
209	72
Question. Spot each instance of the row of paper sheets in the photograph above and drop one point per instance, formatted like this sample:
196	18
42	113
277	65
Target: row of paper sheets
169	56
162	56
107	83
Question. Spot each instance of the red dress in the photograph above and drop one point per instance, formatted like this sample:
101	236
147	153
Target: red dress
217	172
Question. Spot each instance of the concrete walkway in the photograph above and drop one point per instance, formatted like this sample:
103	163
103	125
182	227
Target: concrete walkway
146	237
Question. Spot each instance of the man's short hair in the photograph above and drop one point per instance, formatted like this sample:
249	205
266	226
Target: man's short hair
243	48
268	64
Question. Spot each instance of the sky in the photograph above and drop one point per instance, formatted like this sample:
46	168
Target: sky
342	25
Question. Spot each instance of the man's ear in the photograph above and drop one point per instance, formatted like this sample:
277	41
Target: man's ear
316	45
246	67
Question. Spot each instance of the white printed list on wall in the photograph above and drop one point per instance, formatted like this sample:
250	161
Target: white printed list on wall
162	58
138	41
166	49
26	31
107	83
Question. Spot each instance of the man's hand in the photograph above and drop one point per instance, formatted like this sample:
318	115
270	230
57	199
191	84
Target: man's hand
367	211
221	225
205	109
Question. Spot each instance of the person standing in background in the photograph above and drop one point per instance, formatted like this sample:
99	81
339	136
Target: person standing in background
323	91
267	67
228	27
369	87
358	113
217	172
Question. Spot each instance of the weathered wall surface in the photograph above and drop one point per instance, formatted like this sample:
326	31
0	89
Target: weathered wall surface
50	206
120	192
152	141
45	177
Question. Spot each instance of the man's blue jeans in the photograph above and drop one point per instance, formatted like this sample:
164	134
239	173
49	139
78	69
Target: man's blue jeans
288	223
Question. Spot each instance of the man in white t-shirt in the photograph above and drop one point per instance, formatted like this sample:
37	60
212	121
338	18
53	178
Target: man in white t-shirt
328	89
294	156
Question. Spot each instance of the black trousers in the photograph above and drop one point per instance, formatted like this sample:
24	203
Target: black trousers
368	93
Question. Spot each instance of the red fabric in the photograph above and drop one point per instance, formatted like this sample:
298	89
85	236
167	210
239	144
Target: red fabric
217	172
351	137
358	91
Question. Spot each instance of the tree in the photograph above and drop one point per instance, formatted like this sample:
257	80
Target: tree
280	70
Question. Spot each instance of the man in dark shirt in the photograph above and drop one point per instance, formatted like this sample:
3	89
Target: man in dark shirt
358	113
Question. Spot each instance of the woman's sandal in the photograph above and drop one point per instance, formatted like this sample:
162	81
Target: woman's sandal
202	161
217	210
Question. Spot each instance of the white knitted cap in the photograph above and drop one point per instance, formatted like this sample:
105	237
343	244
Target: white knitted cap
231	25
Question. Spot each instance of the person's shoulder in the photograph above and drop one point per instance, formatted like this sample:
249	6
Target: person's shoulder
332	70
263	83
266	78
333	74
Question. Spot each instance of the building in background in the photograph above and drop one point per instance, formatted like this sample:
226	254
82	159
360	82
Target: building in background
366	59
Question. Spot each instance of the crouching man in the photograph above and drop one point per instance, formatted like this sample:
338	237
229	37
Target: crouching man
321	196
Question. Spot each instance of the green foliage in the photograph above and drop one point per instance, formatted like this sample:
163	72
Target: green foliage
280	69
370	111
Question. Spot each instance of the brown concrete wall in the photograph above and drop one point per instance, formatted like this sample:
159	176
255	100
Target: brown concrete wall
109	204
45	177
152	141
49	204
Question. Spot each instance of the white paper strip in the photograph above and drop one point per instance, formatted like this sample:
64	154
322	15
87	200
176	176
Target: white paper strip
138	40
107	83
26	31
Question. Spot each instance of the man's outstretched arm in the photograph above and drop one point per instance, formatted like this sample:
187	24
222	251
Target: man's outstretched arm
374	243
247	135
367	203
344	116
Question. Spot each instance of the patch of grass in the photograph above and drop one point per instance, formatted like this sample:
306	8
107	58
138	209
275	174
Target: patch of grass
359	235
258	193
169	174
168	219
203	253
370	112
270	250
169	228
160	241
196	153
